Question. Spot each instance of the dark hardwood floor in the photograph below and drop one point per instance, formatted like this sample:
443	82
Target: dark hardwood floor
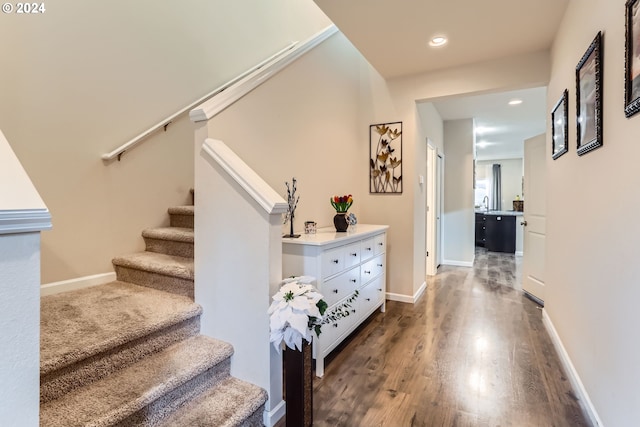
472	352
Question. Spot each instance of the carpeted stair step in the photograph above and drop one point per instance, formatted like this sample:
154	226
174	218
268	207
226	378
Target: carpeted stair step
230	403
146	392
90	333
170	241
181	216
168	273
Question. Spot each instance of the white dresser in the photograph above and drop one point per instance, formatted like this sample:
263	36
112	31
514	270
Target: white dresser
341	263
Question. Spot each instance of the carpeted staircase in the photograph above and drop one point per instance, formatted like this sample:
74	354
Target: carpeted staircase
129	353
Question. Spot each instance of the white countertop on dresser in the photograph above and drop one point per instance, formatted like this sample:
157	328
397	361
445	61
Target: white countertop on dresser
329	235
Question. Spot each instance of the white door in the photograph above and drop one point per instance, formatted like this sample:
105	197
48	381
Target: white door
432	194
439	205
534	219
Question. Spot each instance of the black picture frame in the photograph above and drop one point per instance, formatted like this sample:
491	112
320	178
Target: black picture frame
632	58
385	158
589	98
560	126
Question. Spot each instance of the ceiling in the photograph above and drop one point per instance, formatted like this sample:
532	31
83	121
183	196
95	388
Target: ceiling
500	128
394	35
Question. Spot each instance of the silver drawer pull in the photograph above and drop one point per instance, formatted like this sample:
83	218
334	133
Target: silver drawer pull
367	272
354	280
368	249
354	254
380	289
353	311
335	261
335	291
335	325
379	265
380	244
368	299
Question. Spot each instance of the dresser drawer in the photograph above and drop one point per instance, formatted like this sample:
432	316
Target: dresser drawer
333	261
379	244
341	286
352	255
371	296
367	248
333	333
372	268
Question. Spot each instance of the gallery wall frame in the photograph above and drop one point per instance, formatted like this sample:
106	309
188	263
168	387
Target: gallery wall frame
560	126
385	158
632	58
589	97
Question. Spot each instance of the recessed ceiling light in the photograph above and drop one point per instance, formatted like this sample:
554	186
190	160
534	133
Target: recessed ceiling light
515	102
438	41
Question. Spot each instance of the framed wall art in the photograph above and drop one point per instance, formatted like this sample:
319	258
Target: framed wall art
560	126
589	97
385	158
632	59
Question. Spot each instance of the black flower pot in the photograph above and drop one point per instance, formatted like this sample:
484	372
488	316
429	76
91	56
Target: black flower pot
340	221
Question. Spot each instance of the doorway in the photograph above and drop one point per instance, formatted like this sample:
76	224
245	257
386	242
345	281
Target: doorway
433	236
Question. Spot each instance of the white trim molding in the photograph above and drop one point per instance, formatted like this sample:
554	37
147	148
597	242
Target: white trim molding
77	283
270	418
574	378
224	99
24	220
246	177
407	298
456	263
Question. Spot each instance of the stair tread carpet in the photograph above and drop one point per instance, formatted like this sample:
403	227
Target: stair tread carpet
228	404
131	389
181	210
79	324
168	265
176	234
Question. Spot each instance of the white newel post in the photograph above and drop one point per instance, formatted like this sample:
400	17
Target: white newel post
238	262
23	215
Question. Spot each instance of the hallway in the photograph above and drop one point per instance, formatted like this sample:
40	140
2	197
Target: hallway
472	352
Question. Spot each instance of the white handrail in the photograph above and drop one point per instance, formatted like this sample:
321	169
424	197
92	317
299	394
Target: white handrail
118	152
247	178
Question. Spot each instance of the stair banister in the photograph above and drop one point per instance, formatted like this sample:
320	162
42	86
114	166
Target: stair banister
163	124
23	215
238	263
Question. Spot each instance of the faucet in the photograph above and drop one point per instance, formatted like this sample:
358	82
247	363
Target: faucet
485	202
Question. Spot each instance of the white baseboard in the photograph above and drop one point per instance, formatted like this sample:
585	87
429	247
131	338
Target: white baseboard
574	378
456	263
519	253
78	283
273	416
407	298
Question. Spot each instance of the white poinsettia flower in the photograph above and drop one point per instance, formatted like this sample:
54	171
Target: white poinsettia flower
294	312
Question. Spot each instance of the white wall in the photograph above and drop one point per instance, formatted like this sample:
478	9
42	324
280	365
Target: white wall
80	81
458	213
592	288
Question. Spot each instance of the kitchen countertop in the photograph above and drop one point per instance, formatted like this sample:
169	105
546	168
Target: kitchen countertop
503	213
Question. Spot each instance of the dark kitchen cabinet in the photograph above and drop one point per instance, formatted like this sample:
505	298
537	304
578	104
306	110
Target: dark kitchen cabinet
500	233
480	229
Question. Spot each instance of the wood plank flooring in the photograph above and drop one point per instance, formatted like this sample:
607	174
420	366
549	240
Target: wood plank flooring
472	352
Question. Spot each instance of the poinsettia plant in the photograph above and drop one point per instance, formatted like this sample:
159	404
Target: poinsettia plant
342	203
298	310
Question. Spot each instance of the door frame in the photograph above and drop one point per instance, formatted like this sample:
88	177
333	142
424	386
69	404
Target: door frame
433	229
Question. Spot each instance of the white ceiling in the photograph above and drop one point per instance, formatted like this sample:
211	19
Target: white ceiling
393	36
506	126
